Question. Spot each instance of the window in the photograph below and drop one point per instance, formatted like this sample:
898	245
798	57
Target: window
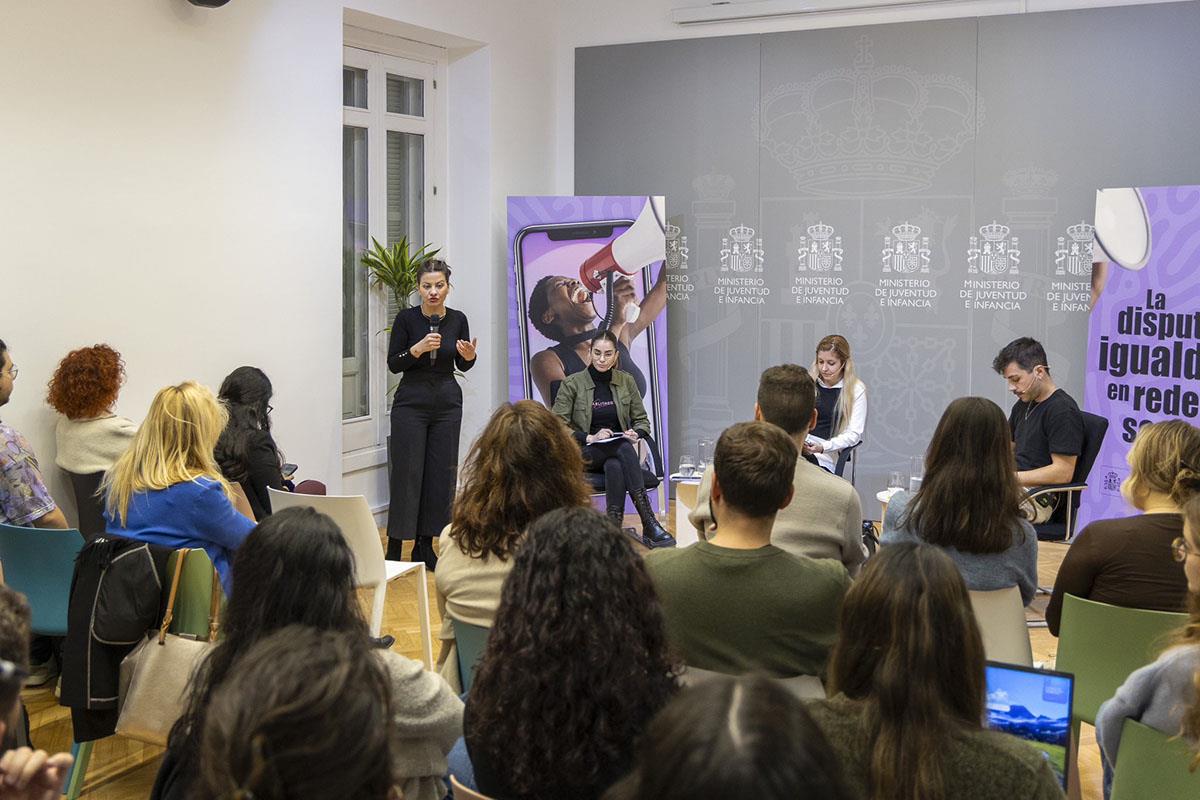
390	115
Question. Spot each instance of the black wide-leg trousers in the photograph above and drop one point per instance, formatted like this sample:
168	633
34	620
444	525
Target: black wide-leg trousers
426	421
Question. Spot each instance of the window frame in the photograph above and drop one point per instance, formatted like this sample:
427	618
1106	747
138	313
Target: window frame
364	437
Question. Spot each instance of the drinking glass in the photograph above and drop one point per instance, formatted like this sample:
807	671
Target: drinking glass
897	480
687	467
916	471
704	454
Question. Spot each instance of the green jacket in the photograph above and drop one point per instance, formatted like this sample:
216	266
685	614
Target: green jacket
573	405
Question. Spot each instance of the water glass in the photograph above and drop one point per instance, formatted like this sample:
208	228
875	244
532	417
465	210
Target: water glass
705	454
897	480
916	471
687	467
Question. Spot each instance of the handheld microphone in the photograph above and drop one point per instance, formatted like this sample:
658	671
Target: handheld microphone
434	322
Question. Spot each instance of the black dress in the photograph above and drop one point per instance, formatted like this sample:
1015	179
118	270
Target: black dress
426	420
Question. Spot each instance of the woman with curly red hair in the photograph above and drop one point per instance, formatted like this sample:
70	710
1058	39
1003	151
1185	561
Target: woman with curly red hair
84	388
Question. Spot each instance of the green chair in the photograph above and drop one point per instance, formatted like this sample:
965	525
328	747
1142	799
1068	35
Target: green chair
1152	764
1101	644
39	563
470	641
192	607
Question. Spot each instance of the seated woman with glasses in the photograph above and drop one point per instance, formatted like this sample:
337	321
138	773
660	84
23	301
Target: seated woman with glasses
1121	561
1162	695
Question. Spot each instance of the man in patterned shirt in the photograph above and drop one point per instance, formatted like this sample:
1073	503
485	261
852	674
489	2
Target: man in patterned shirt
25	500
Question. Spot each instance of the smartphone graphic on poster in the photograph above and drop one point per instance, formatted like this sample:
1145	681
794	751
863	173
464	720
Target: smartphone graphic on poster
560	316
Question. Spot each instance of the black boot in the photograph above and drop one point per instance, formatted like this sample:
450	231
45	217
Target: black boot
653	534
616	514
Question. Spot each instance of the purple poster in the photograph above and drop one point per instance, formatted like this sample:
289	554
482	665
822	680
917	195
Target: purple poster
578	265
1144	332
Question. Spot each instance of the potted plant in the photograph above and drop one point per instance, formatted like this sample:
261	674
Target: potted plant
396	268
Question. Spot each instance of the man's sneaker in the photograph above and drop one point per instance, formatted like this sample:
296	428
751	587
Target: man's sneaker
41	674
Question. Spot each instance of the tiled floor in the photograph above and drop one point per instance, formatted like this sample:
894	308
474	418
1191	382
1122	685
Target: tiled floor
124	770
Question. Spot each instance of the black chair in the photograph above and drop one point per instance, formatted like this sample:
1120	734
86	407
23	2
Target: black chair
846	456
1061	526
86	489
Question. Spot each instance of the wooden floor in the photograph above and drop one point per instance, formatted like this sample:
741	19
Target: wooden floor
122	769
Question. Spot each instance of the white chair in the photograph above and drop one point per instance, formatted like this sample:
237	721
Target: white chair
1001	618
353	516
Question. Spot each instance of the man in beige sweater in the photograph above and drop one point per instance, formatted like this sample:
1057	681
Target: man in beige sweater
824	519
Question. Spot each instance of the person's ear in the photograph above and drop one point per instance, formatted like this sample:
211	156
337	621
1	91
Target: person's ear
812	423
548	317
788	500
758	413
715	492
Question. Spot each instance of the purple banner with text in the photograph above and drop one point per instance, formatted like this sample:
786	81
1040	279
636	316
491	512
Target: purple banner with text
1144	331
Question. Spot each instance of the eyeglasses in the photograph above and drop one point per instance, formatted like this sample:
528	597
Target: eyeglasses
1180	549
12	373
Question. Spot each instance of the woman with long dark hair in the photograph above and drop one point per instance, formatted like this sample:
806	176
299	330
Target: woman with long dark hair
731	738
307	714
906	686
969	501
296	568
246	451
575	667
604	411
428	342
523	465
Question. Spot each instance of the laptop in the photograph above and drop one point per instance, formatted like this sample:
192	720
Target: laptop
1034	705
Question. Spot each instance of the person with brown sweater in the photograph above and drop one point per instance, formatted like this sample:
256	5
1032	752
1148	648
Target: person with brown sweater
906	691
1126	562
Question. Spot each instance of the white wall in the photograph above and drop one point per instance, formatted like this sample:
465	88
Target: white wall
170	183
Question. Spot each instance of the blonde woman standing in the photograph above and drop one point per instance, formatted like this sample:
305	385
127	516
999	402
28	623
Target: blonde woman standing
167	488
841	402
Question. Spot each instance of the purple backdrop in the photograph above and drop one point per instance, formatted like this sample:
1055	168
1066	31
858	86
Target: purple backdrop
1167	285
541	257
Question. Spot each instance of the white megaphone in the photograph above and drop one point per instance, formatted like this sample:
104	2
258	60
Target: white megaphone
644	243
1122	228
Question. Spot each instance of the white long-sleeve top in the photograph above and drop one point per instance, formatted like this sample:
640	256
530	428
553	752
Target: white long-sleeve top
853	432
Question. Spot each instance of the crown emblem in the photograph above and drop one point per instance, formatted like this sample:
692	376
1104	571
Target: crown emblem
994	232
1030	181
882	130
672	231
713	187
820	231
906	232
741	234
1080	232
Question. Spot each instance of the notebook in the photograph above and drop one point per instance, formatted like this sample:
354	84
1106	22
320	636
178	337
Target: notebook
1034	705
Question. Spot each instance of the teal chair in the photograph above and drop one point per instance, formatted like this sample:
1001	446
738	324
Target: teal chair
39	563
470	640
1152	764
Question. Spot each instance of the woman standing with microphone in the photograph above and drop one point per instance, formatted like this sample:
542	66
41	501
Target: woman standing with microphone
427	343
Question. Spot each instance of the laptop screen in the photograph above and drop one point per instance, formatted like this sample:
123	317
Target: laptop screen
1034	705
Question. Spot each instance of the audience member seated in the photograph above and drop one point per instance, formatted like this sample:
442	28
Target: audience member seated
1163	695
841	402
824	519
25	774
737	603
305	714
89	437
1123	561
575	667
246	451
906	686
296	569
732	738
522	465
25	500
166	489
969	501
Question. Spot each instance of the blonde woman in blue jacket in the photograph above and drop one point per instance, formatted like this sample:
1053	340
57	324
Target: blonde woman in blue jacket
603	408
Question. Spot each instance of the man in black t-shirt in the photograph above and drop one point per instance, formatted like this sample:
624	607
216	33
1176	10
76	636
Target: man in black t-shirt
1046	423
